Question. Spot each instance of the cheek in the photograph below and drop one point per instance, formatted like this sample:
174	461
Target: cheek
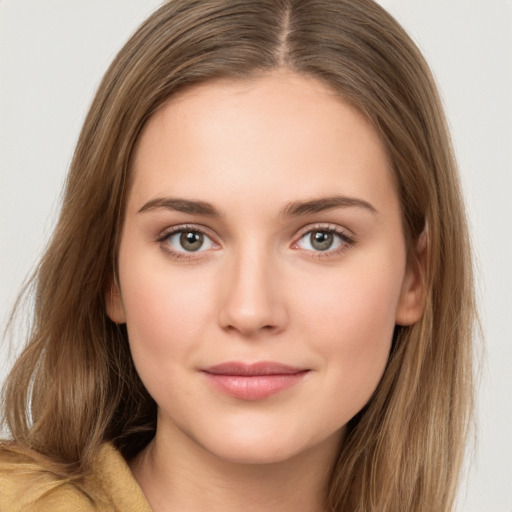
351	321
166	312
166	318
357	305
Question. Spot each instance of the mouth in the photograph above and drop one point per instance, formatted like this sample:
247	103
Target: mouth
253	381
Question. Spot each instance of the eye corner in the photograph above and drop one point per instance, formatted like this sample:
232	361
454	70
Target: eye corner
173	241
330	240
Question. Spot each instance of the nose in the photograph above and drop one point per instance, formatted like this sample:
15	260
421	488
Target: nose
252	295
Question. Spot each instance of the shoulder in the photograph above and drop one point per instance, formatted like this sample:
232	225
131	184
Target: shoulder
26	484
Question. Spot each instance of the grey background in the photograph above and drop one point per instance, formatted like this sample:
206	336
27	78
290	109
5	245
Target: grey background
52	56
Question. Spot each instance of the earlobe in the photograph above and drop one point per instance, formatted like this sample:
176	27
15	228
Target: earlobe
114	303
412	297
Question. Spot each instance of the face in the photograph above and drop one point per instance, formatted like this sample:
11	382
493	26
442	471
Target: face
262	266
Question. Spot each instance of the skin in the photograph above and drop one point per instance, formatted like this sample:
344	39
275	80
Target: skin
257	289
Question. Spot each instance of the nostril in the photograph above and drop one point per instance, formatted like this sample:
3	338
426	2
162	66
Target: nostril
250	300
250	325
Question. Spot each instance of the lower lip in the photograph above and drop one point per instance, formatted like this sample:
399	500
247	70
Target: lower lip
254	387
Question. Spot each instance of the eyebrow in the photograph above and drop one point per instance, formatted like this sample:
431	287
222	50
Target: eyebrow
300	208
293	209
181	205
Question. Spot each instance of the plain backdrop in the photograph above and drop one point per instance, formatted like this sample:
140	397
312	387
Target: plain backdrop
54	52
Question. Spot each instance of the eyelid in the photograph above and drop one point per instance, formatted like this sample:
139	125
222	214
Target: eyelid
326	226
347	237
179	228
164	233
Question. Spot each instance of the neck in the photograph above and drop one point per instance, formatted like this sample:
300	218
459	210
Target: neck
181	475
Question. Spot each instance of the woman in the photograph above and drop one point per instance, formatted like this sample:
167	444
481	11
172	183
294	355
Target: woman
259	290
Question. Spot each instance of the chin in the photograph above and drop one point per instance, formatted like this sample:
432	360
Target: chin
255	453
262	448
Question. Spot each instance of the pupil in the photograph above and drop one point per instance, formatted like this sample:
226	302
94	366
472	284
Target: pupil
191	241
321	240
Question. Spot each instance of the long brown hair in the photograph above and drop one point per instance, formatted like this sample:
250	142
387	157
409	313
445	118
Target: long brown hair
74	385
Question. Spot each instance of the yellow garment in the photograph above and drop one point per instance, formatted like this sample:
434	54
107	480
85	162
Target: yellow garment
27	487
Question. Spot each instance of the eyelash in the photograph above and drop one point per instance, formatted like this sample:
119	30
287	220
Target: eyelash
181	255
346	241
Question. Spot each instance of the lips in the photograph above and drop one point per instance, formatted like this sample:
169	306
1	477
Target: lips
255	381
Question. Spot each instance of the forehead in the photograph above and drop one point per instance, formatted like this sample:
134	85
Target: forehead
281	132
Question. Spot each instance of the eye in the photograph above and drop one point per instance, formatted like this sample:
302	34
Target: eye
188	240
323	240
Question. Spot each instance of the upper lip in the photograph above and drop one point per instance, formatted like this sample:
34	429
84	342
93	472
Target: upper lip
253	369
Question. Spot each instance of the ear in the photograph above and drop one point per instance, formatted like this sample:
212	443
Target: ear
114	302
412	297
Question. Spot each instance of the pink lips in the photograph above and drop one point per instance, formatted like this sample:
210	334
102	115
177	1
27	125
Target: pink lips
253	381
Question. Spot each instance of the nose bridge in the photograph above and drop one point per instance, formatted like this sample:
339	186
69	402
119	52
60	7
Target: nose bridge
252	297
